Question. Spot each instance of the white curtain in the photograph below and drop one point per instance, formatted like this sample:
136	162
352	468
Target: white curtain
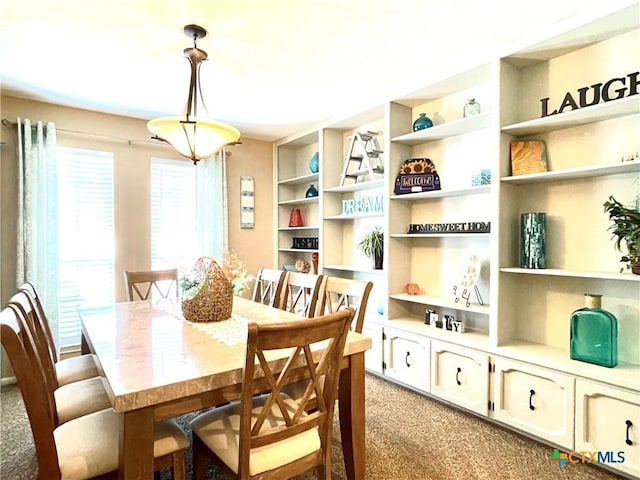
37	226
211	206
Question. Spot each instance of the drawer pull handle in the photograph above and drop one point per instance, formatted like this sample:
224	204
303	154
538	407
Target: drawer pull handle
532	392
458	379
629	425
406	359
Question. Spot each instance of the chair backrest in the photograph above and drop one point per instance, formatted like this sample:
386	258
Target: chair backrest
268	286
300	293
30	323
255	429
39	405
30	289
337	293
164	282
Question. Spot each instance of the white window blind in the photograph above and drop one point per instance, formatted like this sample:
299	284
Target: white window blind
86	235
174	233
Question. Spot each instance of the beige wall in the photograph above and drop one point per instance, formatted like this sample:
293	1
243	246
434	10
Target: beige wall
128	139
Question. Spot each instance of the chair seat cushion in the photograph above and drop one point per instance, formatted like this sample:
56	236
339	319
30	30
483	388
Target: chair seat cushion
74	369
80	398
88	446
219	429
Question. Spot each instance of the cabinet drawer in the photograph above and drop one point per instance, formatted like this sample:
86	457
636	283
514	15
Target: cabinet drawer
373	357
536	400
460	375
602	414
406	358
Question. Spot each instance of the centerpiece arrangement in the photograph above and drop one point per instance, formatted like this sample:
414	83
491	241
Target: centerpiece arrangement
208	290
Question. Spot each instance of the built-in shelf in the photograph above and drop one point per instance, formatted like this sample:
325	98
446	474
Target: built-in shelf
356	187
351	268
575	118
576	173
446	130
306	227
438	235
555	272
443	193
301	250
447	302
470	338
354	216
299	201
312	177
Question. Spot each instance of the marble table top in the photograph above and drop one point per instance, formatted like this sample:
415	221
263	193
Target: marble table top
149	354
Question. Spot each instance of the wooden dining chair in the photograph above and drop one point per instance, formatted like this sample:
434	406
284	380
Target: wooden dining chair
269	436
144	283
72	400
337	293
268	286
68	370
300	293
88	446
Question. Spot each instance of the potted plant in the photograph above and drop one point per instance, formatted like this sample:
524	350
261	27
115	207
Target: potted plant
626	226
372	246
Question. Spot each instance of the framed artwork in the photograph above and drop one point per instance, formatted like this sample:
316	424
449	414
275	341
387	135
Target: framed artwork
246	202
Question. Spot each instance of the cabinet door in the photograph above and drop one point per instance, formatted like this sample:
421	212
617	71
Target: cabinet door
406	358
535	400
460	375
373	357
608	421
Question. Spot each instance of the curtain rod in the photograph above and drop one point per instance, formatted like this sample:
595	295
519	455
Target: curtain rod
10	123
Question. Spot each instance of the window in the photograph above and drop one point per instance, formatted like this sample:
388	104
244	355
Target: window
86	235
174	232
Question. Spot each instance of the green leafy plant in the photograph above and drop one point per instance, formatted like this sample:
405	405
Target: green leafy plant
372	243
626	226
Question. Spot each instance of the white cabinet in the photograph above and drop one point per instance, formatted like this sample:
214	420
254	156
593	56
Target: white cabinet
406	358
373	357
536	400
460	375
608	422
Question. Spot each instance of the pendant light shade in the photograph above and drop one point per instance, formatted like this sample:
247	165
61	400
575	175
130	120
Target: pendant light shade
194	135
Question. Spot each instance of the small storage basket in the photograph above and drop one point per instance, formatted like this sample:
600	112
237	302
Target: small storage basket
211	299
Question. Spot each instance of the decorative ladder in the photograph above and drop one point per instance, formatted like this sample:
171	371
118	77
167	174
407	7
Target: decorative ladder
368	162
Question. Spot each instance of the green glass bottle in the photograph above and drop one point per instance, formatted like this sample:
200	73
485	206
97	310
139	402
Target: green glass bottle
594	333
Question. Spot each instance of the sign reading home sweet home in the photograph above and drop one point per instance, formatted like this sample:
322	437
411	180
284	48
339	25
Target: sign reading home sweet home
612	89
459	227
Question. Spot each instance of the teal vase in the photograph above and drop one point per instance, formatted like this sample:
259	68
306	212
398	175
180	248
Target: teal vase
422	122
311	191
594	334
314	163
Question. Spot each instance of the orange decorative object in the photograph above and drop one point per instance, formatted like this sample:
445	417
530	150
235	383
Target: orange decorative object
295	219
314	260
412	288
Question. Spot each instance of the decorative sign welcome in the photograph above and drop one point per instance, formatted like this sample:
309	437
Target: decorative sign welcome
460	227
627	86
354	206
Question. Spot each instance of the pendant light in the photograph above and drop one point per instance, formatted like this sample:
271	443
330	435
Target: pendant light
194	135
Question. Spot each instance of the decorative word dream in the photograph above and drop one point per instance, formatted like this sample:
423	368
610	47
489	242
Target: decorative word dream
354	206
596	92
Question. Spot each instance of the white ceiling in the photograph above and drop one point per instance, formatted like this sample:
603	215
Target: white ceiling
275	66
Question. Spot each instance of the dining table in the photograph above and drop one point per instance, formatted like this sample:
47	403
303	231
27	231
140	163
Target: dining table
157	365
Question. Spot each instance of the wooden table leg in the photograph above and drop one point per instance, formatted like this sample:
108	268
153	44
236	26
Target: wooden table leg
135	457
352	417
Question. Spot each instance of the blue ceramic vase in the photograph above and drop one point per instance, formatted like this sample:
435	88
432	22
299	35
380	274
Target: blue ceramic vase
311	191
314	163
422	122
